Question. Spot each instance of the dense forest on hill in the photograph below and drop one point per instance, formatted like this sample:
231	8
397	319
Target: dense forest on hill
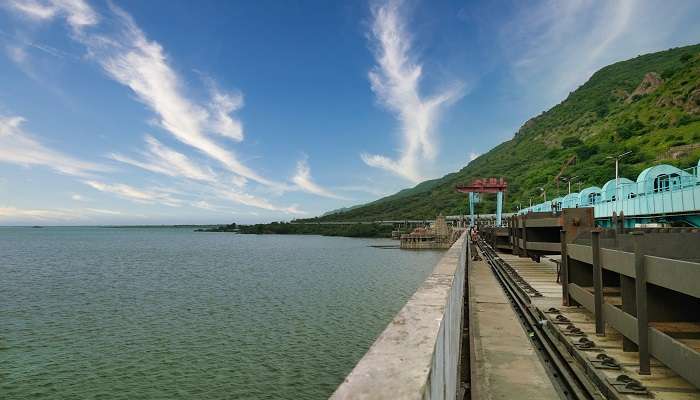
648	105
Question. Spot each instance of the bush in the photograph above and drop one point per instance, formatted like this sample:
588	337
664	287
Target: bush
601	109
585	152
669	72
685	119
629	128
686	57
571	141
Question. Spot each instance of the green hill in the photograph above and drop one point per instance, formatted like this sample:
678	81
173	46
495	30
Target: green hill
648	105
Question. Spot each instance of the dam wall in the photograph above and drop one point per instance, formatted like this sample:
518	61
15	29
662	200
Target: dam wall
418	354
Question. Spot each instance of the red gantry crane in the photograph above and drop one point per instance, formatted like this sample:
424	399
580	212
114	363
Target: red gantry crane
490	185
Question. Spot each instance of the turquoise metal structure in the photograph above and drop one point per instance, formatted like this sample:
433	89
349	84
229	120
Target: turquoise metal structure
590	196
661	193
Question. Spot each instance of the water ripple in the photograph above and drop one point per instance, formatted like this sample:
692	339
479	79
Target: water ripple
98	313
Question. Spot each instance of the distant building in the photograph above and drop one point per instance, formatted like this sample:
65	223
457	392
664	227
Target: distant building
438	236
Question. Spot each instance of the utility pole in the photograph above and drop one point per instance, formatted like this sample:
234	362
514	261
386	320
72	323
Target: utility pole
544	193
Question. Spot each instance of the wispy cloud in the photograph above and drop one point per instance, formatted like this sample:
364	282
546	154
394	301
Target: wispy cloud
204	205
247	199
396	82
221	106
19	147
145	196
17	215
133	60
164	160
78	197
555	46
130	58
305	182
104	211
77	13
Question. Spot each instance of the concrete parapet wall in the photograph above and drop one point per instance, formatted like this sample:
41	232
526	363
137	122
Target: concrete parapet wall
417	355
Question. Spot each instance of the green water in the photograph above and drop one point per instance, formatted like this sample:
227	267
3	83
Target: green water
162	313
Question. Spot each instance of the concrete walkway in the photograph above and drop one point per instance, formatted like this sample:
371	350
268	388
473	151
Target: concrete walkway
504	364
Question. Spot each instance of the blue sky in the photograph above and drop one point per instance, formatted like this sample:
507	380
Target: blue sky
141	112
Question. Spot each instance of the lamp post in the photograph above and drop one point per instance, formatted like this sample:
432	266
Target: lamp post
617	173
544	193
568	180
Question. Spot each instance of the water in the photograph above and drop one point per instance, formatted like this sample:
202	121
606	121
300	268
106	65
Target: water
162	313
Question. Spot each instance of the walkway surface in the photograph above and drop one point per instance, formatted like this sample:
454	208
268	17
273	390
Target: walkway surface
504	363
663	383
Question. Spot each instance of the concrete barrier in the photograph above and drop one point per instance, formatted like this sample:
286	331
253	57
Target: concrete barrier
417	355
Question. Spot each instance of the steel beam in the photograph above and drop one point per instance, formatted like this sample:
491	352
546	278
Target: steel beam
564	269
597	284
641	303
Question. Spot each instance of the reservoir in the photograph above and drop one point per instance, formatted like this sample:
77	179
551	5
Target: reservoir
147	313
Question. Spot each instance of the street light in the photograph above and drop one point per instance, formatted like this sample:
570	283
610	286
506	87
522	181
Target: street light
565	179
617	173
544	193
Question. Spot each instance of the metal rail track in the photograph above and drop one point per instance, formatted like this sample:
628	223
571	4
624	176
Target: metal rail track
569	379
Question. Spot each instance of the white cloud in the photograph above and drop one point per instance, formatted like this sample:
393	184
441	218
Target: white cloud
131	59
204	205
18	214
305	182
395	81
221	106
79	197
253	201
473	156
152	196
126	55
164	160
78	13
104	211
19	147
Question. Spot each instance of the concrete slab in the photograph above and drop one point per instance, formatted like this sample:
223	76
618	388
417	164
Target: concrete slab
504	364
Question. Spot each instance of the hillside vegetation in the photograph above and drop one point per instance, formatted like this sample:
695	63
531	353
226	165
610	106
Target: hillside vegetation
648	105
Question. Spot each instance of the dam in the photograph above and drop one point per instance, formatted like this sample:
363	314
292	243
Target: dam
594	299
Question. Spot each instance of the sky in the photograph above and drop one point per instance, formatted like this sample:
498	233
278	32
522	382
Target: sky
179	112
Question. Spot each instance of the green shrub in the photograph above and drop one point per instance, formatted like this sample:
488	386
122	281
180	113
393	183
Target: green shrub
571	141
585	152
685	119
629	128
